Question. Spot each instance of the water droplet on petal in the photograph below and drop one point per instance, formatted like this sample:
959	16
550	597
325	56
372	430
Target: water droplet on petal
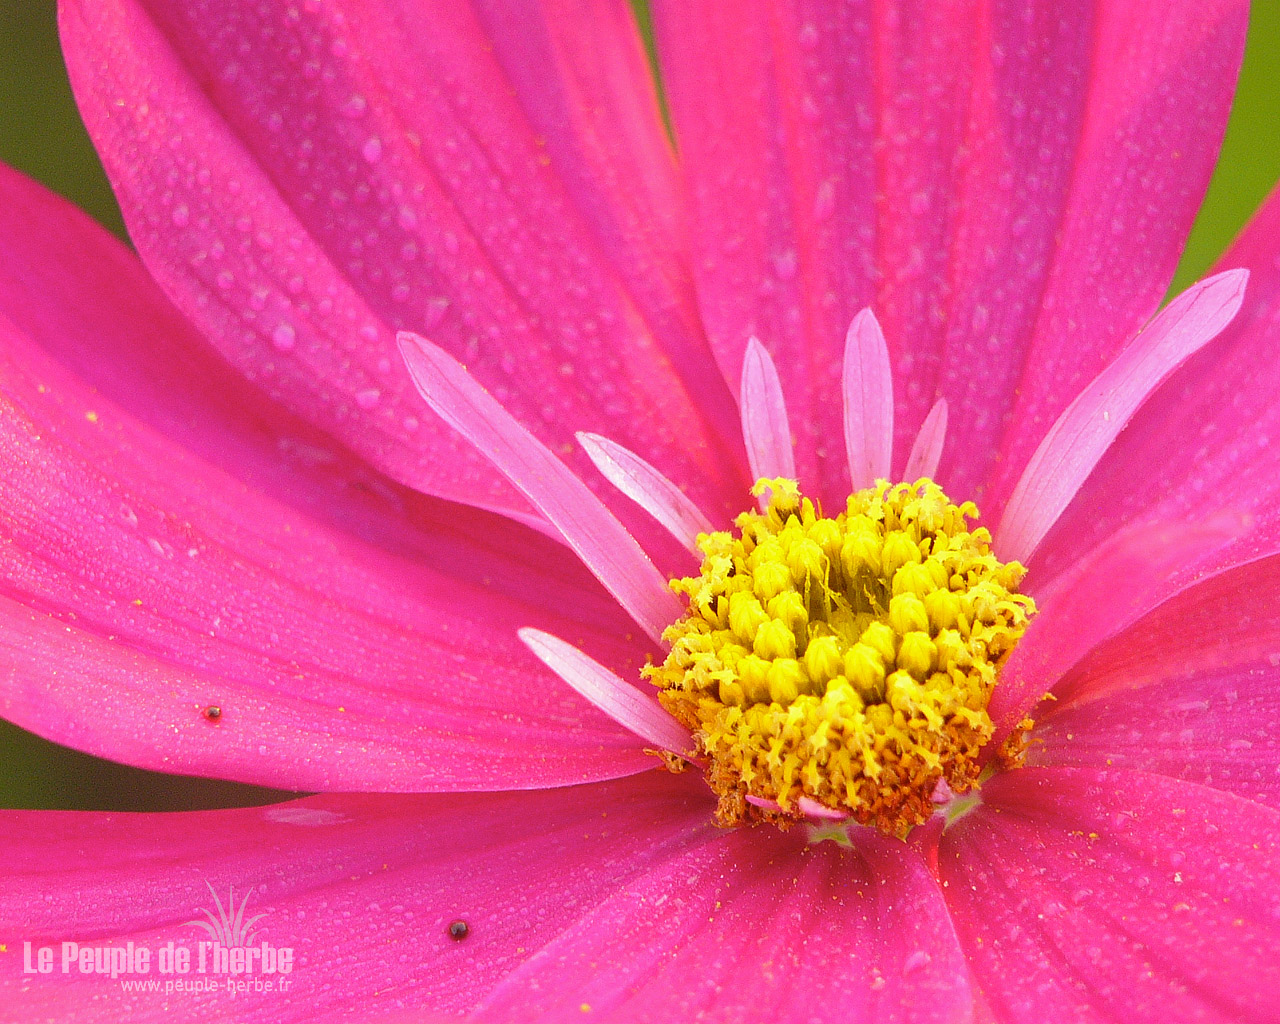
372	150
368	398
824	202
436	309
915	961
284	337
181	215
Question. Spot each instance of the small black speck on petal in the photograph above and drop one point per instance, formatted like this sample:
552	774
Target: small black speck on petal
212	713
459	930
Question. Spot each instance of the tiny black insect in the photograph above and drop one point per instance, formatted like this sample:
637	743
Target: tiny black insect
212	712
459	930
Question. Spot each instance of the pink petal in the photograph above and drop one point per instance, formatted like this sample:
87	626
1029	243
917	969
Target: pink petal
867	385
625	704
603	543
754	926
926	453
1192	691
78	294
1089	896
143	585
1084	432
1204	443
1099	597
998	183
813	809
304	181
765	430
362	888
648	488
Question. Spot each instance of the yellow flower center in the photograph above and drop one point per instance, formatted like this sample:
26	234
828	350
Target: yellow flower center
846	660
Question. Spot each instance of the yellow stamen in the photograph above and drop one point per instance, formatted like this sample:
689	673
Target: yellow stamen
849	660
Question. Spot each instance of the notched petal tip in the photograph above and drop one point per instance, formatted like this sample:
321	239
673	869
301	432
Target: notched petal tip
622	702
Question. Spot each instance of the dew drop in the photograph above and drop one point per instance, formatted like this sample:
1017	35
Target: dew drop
225	279
915	961
372	150
400	293
284	337
355	106
181	215
435	311
368	398
808	37
824	202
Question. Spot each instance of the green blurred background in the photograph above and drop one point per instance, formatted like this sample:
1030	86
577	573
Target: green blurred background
41	134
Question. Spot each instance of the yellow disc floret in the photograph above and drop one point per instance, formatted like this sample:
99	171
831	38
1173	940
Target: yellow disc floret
847	660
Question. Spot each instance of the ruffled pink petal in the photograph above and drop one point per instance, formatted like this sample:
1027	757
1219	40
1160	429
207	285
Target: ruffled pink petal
1009	187
867	388
1205	442
1084	432
754	926
1103	594
926	452
765	430
1192	691
635	711
363	889
1088	896
142	586
306	180
648	488
587	526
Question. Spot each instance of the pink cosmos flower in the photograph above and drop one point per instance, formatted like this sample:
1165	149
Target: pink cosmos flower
238	544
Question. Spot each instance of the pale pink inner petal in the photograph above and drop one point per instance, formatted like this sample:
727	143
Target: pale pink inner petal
622	702
765	429
1106	592
648	488
926	453
868	402
1085	430
759	801
603	544
813	809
